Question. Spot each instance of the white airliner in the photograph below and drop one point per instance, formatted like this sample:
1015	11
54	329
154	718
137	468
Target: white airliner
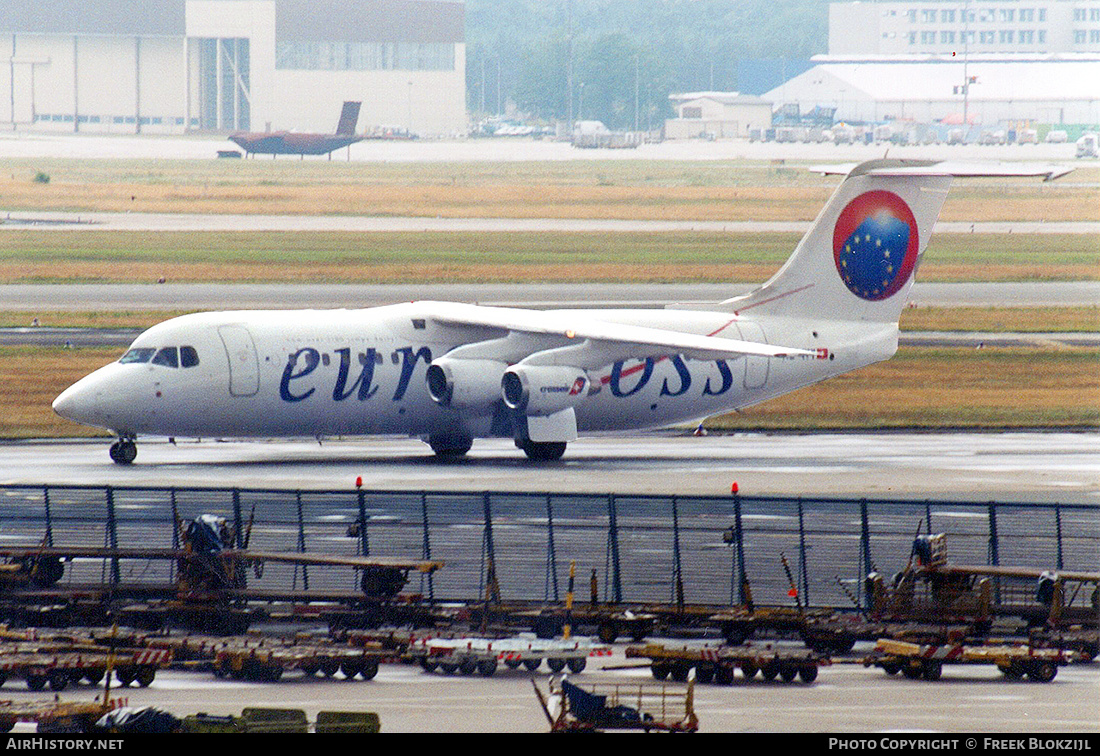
450	373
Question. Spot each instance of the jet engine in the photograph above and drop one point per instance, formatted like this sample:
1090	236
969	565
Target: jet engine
543	390
464	384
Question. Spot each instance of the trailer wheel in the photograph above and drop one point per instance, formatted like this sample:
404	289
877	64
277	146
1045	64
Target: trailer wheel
511	663
577	664
329	667
933	670
680	671
808	673
704	673
723	674
769	671
6	723
36	682
58	679
531	664
608	632
748	669
468	666
1042	671
271	673
891	667
912	670
146	675
787	672
555	664
309	668
449	668
369	669
660	670
486	667
350	668
3	678
1013	670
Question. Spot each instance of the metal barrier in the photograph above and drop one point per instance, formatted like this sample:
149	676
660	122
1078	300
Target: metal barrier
638	548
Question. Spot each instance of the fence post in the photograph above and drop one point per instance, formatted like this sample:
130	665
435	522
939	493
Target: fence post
112	535
739	572
613	546
49	518
364	539
994	548
1058	529
677	567
803	574
426	548
302	539
492	587
551	556
865	566
238	521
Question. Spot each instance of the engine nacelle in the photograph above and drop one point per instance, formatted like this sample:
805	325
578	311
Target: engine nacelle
464	384
543	389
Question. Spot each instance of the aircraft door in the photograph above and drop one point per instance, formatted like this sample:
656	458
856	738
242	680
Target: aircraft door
244	365
756	368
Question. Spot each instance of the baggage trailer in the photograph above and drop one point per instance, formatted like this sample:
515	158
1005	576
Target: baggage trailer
53	716
468	655
916	661
268	663
618	706
61	669
717	663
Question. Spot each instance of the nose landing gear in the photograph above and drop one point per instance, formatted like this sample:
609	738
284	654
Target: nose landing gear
123	451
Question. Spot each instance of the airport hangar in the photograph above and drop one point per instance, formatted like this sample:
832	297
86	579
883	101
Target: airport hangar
176	66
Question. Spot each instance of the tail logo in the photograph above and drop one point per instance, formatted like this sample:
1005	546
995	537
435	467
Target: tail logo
875	245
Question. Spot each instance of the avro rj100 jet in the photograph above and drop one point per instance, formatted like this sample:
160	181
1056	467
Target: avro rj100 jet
451	373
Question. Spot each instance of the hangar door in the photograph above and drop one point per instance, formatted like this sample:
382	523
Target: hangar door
244	365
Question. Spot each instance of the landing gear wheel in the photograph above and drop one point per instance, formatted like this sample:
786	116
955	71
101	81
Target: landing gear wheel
123	451
542	451
450	446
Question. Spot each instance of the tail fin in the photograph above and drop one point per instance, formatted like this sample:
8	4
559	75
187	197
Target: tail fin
349	118
858	260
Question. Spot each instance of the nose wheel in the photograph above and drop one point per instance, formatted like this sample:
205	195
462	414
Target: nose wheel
123	451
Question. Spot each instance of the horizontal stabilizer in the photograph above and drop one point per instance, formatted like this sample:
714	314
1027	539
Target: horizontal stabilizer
953	168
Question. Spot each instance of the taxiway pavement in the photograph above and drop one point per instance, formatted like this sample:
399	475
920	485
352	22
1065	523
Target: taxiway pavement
1040	467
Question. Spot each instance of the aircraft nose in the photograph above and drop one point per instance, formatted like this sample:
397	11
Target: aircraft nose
77	403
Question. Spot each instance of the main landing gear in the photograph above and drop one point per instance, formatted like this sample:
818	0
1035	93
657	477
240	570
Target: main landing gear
450	446
542	451
123	451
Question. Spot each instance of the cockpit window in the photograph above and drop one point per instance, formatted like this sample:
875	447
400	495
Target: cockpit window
141	354
169	357
188	356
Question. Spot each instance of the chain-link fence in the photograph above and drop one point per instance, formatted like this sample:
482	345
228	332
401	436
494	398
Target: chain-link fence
639	548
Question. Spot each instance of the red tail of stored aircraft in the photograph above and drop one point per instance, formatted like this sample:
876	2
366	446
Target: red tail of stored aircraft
290	143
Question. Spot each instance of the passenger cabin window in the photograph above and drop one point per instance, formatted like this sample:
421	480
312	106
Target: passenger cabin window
188	356
169	357
142	354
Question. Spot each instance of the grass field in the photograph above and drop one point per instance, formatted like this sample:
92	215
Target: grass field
628	189
991	319
338	257
918	388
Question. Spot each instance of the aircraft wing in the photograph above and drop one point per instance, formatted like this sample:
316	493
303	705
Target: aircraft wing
361	562
608	341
